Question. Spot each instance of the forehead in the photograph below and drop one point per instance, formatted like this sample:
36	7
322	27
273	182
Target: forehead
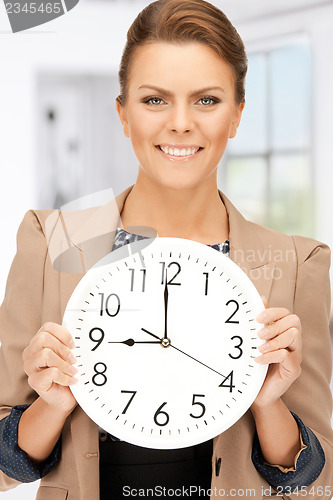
171	66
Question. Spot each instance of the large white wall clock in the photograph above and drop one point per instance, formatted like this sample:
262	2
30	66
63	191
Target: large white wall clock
165	343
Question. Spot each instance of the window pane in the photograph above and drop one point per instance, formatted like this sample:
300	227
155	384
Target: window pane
252	133
290	88
244	182
291	198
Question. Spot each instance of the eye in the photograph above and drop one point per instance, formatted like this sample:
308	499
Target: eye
153	101
208	101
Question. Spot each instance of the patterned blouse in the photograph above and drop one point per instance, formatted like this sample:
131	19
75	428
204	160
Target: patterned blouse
308	464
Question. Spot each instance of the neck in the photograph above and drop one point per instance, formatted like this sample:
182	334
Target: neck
196	213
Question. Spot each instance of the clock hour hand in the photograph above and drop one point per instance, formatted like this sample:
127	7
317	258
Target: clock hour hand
131	342
152	334
165	342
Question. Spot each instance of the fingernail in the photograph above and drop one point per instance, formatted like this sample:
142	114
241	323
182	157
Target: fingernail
258	359
73	381
71	344
263	347
261	317
71	358
262	333
72	370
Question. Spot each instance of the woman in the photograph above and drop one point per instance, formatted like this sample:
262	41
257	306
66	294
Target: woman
182	95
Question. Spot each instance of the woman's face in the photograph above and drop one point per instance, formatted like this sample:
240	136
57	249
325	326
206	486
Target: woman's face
180	112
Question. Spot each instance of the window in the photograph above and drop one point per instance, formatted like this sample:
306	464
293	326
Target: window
267	170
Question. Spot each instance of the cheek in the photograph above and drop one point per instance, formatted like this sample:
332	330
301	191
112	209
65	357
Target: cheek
217	126
218	134
143	127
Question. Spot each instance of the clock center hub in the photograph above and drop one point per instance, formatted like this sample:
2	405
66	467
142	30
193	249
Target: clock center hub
166	342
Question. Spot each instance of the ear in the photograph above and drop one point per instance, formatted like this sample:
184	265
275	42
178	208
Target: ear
121	110
236	120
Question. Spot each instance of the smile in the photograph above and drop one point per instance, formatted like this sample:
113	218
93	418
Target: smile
180	152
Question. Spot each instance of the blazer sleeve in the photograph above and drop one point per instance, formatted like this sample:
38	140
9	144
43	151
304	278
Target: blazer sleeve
20	319
310	396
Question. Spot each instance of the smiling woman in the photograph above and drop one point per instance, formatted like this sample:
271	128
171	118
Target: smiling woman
185	134
181	99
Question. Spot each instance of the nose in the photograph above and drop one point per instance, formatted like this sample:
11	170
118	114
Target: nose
180	119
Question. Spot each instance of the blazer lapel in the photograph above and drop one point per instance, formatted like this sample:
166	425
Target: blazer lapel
84	243
247	250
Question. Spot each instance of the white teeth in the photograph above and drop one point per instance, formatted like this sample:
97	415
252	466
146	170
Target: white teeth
179	152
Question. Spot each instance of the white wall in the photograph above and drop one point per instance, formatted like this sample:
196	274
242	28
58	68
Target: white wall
89	39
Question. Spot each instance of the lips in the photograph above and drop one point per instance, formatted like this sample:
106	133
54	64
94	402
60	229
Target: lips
179	151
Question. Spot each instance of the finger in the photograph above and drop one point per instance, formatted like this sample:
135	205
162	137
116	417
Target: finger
59	332
285	358
271	330
47	358
290	339
272	314
43	381
44	340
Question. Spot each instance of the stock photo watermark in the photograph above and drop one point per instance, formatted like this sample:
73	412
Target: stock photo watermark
197	491
24	15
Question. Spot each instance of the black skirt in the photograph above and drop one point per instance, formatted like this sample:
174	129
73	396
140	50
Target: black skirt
128	471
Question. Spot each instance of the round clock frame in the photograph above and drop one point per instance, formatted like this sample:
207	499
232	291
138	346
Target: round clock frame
165	337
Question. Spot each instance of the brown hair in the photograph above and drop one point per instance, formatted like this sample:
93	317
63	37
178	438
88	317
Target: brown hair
183	21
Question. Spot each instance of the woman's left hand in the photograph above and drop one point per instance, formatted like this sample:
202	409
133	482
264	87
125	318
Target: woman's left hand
282	350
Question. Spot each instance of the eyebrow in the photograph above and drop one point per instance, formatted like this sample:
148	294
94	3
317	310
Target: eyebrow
170	94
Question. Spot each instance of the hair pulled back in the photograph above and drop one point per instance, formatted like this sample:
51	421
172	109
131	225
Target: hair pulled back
184	21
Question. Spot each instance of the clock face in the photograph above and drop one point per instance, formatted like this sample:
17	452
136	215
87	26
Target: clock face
165	336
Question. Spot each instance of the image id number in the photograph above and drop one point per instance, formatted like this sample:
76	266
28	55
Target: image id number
31	8
315	492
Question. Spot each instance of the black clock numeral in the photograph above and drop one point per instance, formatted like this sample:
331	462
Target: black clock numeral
130	400
194	402
206	283
229	377
170	280
238	346
107	306
99	373
143	279
229	320
99	340
158	412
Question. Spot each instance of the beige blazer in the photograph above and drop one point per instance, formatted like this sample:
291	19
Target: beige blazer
290	271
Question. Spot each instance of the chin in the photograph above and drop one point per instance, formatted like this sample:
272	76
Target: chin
181	184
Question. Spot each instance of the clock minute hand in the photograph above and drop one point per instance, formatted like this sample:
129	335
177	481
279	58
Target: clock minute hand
166	296
194	359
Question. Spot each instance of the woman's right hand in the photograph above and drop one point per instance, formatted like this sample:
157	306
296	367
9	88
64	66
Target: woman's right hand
48	361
